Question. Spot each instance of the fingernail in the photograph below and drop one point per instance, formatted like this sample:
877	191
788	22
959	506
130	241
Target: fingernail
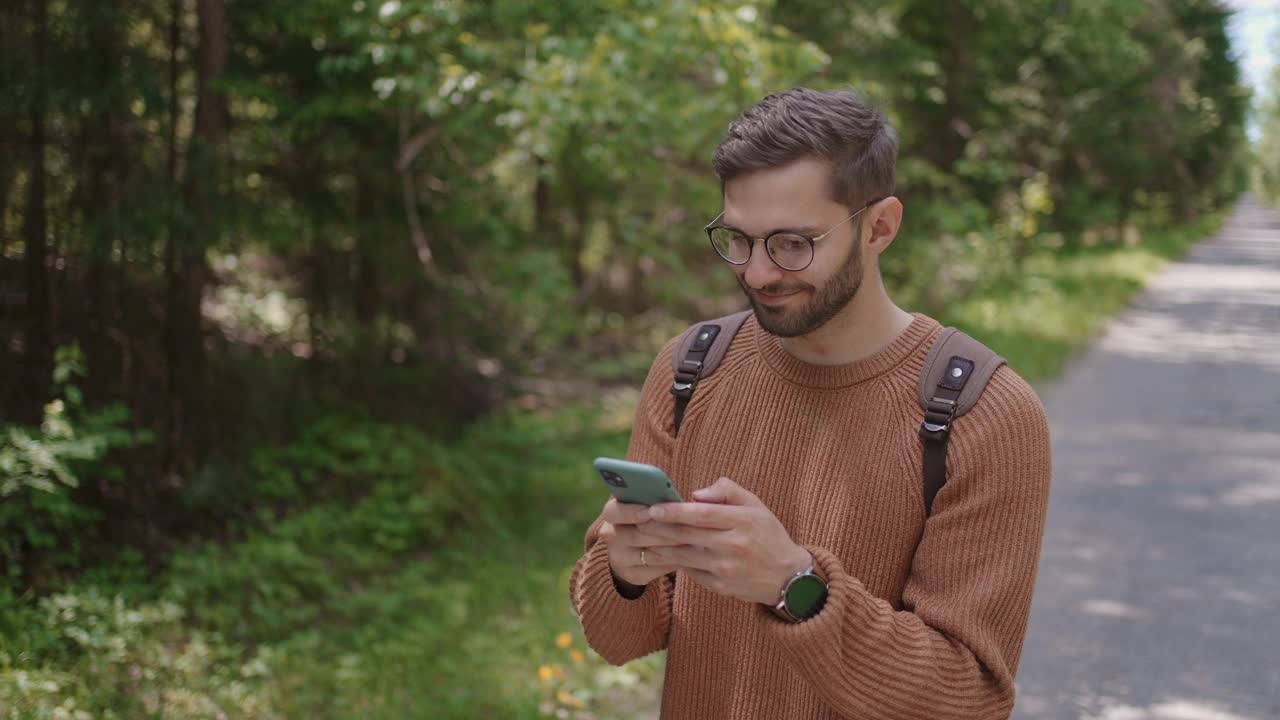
655	513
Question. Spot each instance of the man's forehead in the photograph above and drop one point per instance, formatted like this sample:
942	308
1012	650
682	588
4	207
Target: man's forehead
762	220
763	228
776	199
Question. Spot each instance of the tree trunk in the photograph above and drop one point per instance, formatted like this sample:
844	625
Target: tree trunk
957	68
944	29
172	425
541	201
318	303
8	173
105	168
187	271
368	287
204	174
38	353
578	243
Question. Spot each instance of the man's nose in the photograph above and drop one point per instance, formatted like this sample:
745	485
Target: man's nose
761	270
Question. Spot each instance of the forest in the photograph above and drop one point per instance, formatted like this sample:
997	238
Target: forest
313	314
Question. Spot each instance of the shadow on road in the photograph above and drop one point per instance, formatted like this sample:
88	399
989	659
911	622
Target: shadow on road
1159	589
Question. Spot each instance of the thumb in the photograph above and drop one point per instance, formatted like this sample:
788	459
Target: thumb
726	492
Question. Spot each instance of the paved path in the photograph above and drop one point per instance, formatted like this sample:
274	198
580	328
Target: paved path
1159	589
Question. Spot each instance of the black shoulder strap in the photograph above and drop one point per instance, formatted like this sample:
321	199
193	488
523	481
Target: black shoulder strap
698	353
955	373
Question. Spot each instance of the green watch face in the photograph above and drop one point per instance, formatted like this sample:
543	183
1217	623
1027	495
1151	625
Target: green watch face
805	596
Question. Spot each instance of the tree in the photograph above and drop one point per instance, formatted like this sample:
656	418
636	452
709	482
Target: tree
1267	151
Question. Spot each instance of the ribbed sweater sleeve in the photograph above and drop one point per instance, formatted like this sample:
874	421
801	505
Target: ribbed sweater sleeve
953	650
621	629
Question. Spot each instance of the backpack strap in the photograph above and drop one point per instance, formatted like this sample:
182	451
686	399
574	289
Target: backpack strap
698	353
955	373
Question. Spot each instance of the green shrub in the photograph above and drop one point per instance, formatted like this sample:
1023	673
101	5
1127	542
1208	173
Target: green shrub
337	457
101	657
40	522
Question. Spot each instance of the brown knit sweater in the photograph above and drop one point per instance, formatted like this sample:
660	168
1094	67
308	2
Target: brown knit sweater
923	619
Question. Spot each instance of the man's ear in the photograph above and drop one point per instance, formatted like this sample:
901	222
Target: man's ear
884	219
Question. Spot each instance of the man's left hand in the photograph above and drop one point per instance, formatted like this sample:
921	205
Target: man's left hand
729	542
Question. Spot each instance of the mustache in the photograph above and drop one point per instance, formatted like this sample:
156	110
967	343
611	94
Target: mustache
779	290
770	289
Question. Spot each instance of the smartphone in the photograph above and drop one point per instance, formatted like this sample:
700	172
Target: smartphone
633	482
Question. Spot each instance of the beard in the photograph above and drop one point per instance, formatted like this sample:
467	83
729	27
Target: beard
823	304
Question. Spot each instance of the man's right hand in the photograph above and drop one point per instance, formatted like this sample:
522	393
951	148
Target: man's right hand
623	532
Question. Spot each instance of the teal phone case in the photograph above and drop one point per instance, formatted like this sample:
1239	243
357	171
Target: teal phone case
633	482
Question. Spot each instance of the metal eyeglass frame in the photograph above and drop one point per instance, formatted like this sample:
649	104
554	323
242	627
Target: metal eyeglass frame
712	227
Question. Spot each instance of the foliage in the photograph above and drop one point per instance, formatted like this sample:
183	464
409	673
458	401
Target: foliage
375	495
1057	302
452	566
469	194
1268	147
106	658
39	470
580	684
348	606
313	250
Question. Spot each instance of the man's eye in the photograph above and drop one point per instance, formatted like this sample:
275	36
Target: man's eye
789	243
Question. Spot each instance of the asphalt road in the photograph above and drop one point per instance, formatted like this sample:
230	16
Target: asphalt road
1158	596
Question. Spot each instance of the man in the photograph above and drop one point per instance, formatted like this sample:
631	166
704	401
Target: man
800	456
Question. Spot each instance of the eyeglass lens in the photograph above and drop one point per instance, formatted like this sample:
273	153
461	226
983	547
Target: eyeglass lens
791	252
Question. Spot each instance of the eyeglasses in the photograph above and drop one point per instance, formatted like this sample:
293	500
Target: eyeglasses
790	251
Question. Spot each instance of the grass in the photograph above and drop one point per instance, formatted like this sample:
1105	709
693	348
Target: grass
480	626
442	593
1038	319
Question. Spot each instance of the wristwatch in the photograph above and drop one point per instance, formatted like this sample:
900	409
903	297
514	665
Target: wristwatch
802	596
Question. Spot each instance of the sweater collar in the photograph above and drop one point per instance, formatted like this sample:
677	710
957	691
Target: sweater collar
890	356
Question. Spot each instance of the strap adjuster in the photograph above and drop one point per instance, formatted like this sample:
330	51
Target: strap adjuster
934	431
937	419
685	380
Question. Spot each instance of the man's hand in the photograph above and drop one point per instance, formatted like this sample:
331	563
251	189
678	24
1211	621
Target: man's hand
623	530
728	542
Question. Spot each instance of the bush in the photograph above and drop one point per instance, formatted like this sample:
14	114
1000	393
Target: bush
364	494
40	522
101	657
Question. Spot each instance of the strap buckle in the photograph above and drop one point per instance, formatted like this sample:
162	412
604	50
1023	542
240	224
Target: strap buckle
937	419
686	379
